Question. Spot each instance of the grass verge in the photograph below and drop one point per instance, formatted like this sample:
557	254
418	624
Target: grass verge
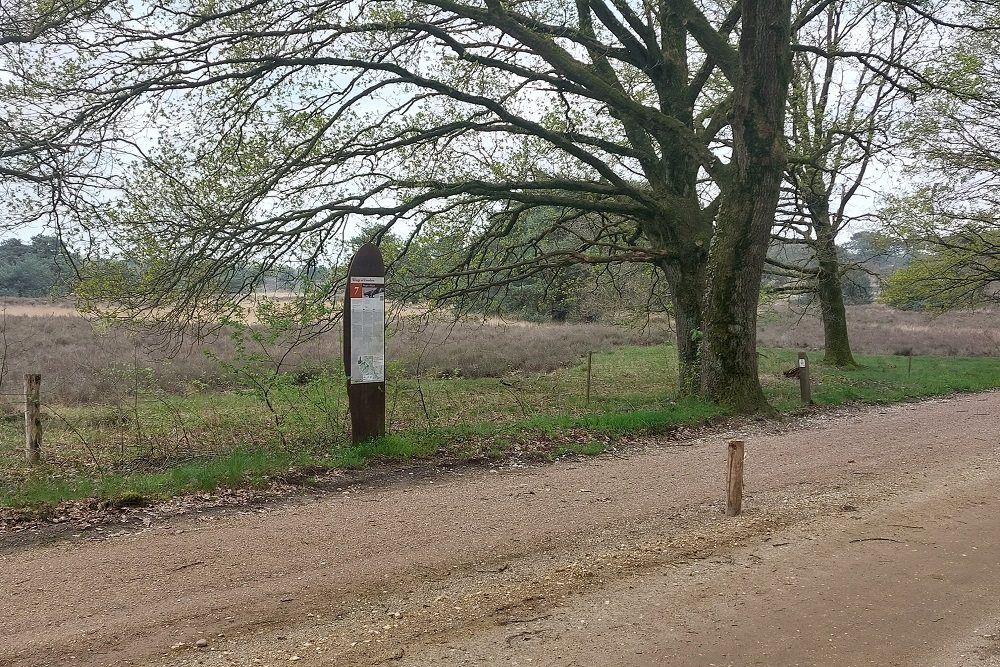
544	416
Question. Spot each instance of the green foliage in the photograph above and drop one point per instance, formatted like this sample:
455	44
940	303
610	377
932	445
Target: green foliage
950	221
950	278
921	286
157	269
540	270
261	355
956	258
584	448
682	412
887	379
39	268
882	379
393	447
238	468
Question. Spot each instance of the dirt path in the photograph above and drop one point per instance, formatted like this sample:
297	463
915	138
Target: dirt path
868	539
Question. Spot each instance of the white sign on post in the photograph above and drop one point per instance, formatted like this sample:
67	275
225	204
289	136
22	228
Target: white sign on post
367	329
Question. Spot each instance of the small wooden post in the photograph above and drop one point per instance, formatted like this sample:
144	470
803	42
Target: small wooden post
804	388
590	366
32	418
734	479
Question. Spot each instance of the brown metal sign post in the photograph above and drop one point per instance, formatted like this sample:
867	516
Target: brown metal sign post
364	343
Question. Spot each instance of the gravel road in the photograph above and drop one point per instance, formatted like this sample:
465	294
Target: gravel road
869	537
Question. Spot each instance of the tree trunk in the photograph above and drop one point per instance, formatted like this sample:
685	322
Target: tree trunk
749	198
686	278
685	233
836	343
729	349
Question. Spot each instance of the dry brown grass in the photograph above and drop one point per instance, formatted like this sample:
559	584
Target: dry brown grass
878	329
496	348
80	363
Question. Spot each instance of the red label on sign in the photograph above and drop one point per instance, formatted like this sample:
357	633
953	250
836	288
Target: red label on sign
356	291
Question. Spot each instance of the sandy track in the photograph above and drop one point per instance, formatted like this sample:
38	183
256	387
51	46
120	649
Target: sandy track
608	561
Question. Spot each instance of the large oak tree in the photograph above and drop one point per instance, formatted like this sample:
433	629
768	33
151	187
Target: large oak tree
258	128
201	136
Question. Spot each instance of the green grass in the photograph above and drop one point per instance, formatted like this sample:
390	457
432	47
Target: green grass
644	420
237	468
883	379
203	442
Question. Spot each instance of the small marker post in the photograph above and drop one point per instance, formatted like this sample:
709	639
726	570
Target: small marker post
804	387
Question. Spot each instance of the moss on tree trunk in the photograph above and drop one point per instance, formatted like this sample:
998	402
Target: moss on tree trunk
729	348
749	198
686	278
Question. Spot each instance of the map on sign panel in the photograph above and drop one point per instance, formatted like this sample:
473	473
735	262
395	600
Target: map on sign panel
367	329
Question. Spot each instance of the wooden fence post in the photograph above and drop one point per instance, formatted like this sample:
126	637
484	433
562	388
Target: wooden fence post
734	479
590	365
32	418
804	387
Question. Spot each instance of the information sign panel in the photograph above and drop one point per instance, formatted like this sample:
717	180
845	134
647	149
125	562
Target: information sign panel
364	343
367	304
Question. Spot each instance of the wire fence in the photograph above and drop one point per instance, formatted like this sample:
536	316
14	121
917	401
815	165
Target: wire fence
154	427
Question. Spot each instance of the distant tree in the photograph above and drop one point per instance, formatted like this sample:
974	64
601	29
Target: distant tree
955	258
856	286
40	268
550	276
950	222
878	251
798	282
848	95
